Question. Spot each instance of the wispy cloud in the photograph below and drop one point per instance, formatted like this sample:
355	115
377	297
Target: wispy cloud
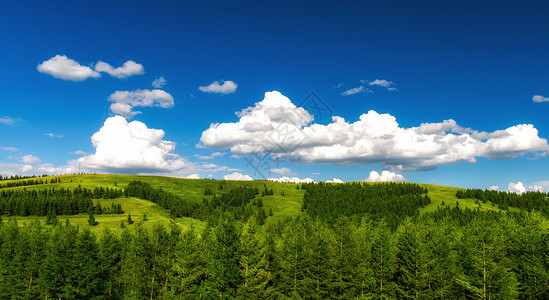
53	135
539	99
7	120
159	82
356	90
12	149
389	85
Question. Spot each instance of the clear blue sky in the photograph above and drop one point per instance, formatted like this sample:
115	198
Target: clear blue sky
479	63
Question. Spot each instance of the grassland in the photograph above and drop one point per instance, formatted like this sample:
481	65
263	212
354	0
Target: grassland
286	201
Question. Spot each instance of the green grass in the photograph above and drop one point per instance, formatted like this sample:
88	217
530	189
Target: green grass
288	205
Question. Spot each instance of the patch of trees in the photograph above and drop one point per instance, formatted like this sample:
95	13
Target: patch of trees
390	201
17	177
234	201
56	201
449	254
28	182
527	201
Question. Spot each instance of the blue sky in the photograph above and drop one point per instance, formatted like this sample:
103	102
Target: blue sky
478	64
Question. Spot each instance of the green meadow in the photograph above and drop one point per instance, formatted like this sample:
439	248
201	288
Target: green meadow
286	202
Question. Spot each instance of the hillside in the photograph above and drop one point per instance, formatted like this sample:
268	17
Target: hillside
288	205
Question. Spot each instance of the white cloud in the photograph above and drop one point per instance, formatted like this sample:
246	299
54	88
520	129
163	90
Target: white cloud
53	135
128	69
193	176
539	99
125	101
494	188
291	179
132	148
283	171
335	180
389	85
276	126
203	157
225	87
79	152
535	188
60	66
159	82
213	155
237	176
516	188
385	176
12	149
30	159
355	90
7	120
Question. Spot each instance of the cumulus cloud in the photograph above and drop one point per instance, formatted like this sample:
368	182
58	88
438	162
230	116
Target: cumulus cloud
291	179
276	126
335	180
389	85
535	188
132	148
283	171
128	69
355	90
159	82
125	101
192	176
60	66
516	188
7	120
539	99
385	176
494	188
237	176
224	87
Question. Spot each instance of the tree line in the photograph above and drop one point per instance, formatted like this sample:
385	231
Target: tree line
59	201
527	201
448	254
390	201
28	182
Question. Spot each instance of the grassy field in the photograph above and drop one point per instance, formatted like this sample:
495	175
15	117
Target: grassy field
287	205
191	189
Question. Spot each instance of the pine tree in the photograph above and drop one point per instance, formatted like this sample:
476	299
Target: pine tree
223	267
189	266
130	219
92	221
253	263
51	218
110	257
87	274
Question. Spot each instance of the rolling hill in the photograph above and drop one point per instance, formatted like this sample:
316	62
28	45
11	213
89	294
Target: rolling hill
286	200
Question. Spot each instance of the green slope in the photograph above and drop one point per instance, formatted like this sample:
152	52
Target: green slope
288	205
282	206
